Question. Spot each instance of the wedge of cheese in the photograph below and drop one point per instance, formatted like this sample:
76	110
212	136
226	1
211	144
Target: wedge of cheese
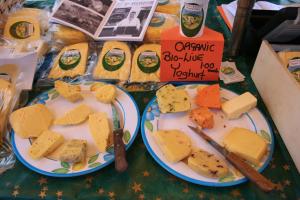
246	144
100	130
31	121
73	151
70	62
114	61
207	164
46	143
171	99
146	64
106	93
159	23
235	107
75	116
168	6
209	96
174	144
70	92
67	36
22	28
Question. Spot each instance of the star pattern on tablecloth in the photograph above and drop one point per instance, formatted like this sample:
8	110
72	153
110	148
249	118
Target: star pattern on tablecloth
15	193
42	194
45	188
201	195
236	193
111	194
136	187
89	179
42	181
185	190
146	173
286	167
141	196
59	194
279	186
158	198
287	182
100	191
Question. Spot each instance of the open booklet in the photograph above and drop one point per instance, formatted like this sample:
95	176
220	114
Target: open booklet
125	20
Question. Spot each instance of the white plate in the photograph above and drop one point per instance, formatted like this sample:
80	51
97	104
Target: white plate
58	105
153	120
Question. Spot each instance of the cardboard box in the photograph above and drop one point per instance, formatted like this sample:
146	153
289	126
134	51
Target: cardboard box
281	94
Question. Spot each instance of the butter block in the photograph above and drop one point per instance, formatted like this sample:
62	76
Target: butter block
100	130
235	107
73	151
68	91
31	121
246	144
75	116
203	117
105	93
174	144
46	143
171	99
207	164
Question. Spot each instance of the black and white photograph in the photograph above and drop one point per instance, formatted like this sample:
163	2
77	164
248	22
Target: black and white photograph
78	16
99	6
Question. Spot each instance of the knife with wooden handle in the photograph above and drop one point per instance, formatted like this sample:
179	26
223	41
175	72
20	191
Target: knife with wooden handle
261	181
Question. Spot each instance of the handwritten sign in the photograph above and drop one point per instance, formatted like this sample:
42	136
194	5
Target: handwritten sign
190	59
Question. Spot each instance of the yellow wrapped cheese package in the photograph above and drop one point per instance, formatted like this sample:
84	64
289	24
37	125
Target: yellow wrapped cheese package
114	61
146	64
168	6
70	62
67	36
158	24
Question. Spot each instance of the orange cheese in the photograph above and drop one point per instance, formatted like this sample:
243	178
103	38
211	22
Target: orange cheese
202	117
209	97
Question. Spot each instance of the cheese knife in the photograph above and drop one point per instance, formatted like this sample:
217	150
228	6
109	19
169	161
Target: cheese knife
261	181
119	146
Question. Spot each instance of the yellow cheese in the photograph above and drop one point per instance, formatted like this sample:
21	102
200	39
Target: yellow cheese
235	107
174	144
22	28
31	121
287	56
46	143
74	116
70	62
146	64
67	36
106	93
159	23
207	164
73	151
246	144
114	61
171	99
168	6
96	86
100	130
68	91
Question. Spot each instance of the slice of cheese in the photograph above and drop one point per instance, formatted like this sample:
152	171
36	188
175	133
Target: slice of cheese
75	116
246	144
168	6
46	143
67	36
114	61
31	121
73	151
70	62
209	97
159	23
171	99
146	64
68	91
106	93
207	164
174	144
100	130
235	107
22	28
203	117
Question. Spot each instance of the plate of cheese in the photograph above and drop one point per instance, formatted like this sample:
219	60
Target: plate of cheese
67	131
232	120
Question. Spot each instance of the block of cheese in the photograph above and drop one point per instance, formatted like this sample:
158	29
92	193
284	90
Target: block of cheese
70	92
236	106
146	64
73	151
246	144
168	6
174	144
75	116
203	117
70	62
31	121
22	28
46	143
100	130
106	93
114	61
171	99
158	24
67	35
207	164
209	96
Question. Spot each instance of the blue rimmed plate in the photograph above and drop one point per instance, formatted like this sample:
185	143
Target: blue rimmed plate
153	120
50	165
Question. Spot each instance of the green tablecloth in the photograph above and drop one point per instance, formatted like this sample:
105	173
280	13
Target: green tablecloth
145	179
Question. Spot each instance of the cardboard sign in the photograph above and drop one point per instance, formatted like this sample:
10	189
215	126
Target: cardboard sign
190	59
